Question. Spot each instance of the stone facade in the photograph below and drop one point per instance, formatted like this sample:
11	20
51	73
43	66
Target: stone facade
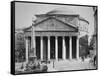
55	38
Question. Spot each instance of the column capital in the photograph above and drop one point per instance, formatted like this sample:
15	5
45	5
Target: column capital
48	37
41	37
77	37
70	36
26	37
63	36
56	37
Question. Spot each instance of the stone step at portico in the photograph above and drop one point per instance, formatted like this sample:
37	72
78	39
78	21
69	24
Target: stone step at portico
69	65
54	65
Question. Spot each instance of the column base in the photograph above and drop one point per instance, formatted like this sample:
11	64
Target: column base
64	58
70	59
56	59
45	61
77	58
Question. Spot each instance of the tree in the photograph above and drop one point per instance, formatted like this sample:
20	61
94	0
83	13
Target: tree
84	48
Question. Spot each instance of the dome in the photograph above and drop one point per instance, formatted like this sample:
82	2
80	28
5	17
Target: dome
63	11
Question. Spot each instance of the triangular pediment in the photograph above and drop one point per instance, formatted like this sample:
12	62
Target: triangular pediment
53	24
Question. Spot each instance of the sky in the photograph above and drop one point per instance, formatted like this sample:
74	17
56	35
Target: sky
24	13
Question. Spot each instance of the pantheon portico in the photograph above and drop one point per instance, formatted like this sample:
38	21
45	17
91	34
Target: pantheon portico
53	36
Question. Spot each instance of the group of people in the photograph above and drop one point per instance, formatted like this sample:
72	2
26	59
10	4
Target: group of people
34	66
93	59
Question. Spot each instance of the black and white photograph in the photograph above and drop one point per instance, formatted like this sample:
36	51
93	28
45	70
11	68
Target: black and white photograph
51	37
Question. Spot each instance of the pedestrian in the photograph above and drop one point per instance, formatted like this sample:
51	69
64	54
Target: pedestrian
94	60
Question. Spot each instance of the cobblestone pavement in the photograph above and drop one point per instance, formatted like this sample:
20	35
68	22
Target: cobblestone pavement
64	65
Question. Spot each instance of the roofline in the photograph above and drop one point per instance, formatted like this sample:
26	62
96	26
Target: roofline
63	15
57	14
80	18
27	28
